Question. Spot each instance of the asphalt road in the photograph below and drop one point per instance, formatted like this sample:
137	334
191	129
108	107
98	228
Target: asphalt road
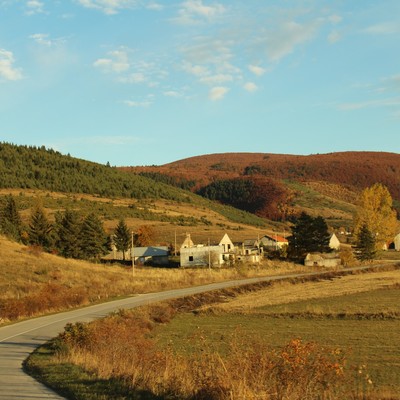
18	340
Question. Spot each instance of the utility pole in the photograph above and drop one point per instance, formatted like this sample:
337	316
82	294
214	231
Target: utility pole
132	255
209	255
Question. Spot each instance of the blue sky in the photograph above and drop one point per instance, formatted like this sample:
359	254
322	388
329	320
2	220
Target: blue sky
136	82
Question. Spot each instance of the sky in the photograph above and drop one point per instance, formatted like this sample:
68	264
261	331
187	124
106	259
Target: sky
147	82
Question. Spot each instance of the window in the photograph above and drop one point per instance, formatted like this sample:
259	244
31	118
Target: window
190	258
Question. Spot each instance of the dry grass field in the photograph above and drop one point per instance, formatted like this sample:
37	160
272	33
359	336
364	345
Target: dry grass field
328	339
33	282
285	292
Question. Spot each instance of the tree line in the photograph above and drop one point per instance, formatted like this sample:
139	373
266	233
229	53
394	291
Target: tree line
31	167
71	235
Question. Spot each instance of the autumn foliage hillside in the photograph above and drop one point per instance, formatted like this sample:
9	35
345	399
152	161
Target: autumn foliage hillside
270	174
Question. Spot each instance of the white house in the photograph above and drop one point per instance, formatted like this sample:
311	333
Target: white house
206	255
397	242
273	242
334	242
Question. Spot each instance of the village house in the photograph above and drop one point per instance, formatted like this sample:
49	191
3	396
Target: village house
249	252
273	242
207	255
225	253
334	242
157	255
396	242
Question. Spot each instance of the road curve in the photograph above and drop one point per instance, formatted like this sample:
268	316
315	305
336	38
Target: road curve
18	340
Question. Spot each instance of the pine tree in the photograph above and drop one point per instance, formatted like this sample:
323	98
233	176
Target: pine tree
309	234
93	239
10	220
321	236
122	238
40	229
365	244
68	227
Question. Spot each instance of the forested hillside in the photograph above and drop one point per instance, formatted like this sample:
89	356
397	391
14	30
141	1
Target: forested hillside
30	167
281	180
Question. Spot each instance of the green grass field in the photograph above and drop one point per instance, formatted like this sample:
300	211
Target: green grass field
366	326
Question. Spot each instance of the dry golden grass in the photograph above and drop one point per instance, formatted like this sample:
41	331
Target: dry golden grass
285	292
33	282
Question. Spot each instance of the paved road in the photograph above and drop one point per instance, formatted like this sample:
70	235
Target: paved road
17	341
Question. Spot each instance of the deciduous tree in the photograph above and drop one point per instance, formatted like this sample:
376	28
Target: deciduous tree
376	212
144	235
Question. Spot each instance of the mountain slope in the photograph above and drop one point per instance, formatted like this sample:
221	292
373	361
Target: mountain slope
280	183
354	169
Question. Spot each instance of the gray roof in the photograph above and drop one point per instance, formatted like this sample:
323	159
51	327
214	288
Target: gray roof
151	251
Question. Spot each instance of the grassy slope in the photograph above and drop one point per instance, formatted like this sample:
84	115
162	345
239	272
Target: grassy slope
359	314
33	283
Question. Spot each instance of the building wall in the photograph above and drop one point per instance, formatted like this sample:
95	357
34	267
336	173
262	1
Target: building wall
200	255
397	242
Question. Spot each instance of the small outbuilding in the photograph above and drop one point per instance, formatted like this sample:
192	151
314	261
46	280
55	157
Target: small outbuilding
329	260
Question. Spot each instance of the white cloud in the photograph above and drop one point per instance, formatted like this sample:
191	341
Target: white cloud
7	69
155	6
334	37
34	7
217	93
390	84
144	103
250	87
217	78
135	77
117	62
41	38
335	19
194	11
172	93
283	40
44	39
392	102
196	70
109	7
386	28
257	70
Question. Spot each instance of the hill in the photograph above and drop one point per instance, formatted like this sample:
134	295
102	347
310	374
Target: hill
325	183
59	182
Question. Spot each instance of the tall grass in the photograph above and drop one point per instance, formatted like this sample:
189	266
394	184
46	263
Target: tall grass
33	283
120	347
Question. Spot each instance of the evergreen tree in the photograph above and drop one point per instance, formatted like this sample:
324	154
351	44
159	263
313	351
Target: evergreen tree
40	229
68	227
309	234
10	220
122	237
365	244
321	236
93	239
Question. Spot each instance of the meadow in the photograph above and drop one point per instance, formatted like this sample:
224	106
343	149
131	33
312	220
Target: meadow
34	283
327	338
